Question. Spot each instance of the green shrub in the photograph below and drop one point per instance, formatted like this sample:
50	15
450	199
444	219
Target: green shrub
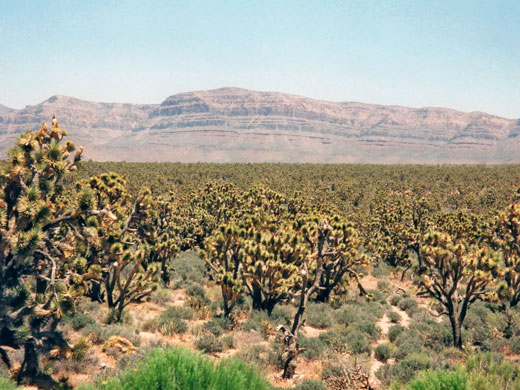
319	315
409	305
394	332
228	341
209	344
197	292
6	384
171	326
381	269
407	343
410	366
80	349
182	369
217	325
313	347
383	352
514	344
188	268
172	320
335	339
79	320
395	299
358	342
255	354
160	296
310	384
440	380
393	316
383	285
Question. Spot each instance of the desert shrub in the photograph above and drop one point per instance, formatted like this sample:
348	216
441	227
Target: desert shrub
335	339
514	344
113	317
161	296
6	384
209	344
80	349
228	341
409	367
196	291
393	316
377	296
358	343
319	315
281	315
182	369
395	299
383	285
383	352
255	320
100	334
171	326
381	269
394	332
409	305
188	268
171	321
407	343
79	320
310	384
440	380
255	354
217	325
313	347
369	328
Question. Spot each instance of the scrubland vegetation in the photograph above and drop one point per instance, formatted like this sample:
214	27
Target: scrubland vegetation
255	276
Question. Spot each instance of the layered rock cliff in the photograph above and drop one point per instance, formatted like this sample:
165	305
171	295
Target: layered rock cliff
232	124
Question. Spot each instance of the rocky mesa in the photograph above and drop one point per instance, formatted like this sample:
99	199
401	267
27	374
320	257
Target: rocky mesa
238	125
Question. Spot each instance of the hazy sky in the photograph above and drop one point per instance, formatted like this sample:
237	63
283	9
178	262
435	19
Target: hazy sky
458	54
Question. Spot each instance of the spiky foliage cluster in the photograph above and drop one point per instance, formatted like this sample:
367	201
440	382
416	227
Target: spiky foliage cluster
124	242
456	275
263	249
35	289
506	238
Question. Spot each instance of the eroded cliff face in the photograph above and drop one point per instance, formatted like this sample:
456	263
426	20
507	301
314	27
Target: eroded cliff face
232	124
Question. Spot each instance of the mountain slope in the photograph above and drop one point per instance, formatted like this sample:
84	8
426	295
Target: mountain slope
232	124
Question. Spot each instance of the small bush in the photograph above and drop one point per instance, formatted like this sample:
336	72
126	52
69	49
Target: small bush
100	334
409	305
209	344
358	343
383	352
255	354
310	384
161	296
79	320
409	367
313	347
383	285
319	315
394	332
228	341
188	268
217	325
171	326
395	299
393	316
80	349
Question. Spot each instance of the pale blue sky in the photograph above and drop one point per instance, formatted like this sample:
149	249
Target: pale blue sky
453	53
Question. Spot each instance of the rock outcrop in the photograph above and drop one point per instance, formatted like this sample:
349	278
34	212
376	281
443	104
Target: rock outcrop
232	124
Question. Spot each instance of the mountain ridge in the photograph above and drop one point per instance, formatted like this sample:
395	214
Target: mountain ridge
238	125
